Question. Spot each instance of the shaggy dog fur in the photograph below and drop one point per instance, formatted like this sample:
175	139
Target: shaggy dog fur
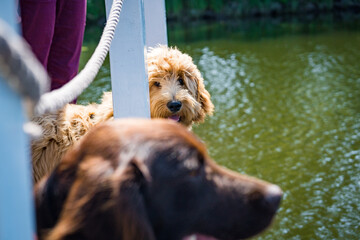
176	91
126	181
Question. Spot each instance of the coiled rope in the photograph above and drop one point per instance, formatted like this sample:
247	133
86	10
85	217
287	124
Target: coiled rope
18	65
56	99
23	72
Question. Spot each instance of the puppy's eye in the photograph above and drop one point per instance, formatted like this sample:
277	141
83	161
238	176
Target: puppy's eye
181	81
157	84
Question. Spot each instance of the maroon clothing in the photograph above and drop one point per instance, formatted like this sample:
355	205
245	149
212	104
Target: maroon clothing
55	30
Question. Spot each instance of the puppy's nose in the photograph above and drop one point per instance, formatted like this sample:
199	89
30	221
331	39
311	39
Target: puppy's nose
174	106
273	197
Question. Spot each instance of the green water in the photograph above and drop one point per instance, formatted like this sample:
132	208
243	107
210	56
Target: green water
287	99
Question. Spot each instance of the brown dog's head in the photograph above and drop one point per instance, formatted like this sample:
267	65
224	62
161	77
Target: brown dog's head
177	89
149	179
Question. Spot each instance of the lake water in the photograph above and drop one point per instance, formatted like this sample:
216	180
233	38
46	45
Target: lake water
287	110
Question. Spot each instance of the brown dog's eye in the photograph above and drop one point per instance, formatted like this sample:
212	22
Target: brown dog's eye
181	81
157	84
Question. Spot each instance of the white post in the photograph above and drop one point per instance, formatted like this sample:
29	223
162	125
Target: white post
16	204
155	23
130	86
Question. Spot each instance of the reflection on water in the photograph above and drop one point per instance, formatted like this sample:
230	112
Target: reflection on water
287	111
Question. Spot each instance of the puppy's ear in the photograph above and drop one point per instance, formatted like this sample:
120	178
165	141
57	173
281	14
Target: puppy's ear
204	98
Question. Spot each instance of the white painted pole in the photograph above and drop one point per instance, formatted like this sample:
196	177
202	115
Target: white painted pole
155	23
130	86
16	205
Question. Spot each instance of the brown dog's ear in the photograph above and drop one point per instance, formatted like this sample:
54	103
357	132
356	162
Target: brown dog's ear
204	98
140	170
131	207
50	194
104	203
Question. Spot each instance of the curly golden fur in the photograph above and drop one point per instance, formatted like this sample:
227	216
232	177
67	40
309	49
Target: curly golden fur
173	77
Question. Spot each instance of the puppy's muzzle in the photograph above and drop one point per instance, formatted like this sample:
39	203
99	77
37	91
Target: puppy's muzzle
174	106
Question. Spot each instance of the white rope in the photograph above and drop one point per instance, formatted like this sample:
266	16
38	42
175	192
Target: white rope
19	67
56	99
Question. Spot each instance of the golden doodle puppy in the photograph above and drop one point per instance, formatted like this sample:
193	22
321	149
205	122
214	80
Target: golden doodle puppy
177	92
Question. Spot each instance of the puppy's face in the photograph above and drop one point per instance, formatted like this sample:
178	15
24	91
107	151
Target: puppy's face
177	89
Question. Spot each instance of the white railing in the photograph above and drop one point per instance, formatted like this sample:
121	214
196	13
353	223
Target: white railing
137	29
16	204
155	23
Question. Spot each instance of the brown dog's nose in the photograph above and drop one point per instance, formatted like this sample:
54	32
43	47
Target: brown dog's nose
174	106
273	197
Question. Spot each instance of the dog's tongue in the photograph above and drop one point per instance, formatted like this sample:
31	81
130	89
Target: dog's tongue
175	118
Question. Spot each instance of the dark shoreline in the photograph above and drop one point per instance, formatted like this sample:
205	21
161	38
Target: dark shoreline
275	9
251	28
339	12
259	28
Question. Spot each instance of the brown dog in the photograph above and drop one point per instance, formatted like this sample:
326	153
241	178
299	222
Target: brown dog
176	91
149	179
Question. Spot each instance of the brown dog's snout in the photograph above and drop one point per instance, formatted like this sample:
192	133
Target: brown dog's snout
260	194
272	197
174	106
